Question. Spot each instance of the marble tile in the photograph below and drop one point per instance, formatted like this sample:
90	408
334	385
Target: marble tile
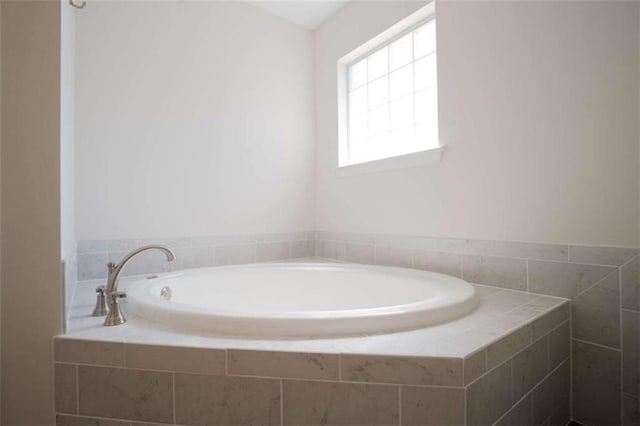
221	400
462	246
191	257
537	251
173	243
563	279
360	253
125	394
529	367
304	248
443	263
105	246
631	352
347	237
429	406
62	420
176	358
549	321
234	255
562	415
551	393
223	240
595	313
394	256
475	366
403	241
402	370
496	271
630	410
559	345
313	403
518	415
601	255
88	352
544	303
66	395
266	252
92	266
331	249
489	397
506	347
596	384
630	285
294	365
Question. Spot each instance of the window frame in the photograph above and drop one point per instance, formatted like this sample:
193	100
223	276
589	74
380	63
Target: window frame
377	43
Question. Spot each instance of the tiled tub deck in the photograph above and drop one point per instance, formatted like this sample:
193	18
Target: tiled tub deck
506	363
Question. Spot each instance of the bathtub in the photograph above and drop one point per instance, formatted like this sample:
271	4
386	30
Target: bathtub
300	299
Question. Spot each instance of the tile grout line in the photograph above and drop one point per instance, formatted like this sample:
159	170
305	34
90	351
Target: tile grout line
173	389
598	345
77	390
399	405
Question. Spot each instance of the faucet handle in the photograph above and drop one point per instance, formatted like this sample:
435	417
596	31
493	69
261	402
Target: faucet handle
101	303
115	316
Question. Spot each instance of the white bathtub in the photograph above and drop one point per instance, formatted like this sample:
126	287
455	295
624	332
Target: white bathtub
300	299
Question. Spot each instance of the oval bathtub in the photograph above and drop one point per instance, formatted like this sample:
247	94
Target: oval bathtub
300	299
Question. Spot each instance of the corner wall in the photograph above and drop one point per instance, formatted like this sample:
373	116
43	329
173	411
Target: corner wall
192	119
30	226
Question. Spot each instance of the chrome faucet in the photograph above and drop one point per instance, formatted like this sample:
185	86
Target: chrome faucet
111	293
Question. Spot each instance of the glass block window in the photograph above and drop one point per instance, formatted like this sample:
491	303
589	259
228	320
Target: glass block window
392	98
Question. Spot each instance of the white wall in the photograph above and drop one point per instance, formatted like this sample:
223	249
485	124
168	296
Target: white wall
192	118
538	112
31	287
67	147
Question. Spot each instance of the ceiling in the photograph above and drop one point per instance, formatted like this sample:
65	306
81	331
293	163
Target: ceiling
309	14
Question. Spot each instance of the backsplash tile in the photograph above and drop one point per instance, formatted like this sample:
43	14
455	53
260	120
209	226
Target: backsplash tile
537	251
393	256
360	253
596	313
496	271
586	274
564	279
443	263
601	255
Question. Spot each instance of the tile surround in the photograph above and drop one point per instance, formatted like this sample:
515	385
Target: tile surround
600	281
242	386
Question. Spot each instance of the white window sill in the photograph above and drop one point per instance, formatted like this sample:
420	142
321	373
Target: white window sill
415	159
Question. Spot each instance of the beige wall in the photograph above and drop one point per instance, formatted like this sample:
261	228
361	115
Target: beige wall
193	118
538	113
31	294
